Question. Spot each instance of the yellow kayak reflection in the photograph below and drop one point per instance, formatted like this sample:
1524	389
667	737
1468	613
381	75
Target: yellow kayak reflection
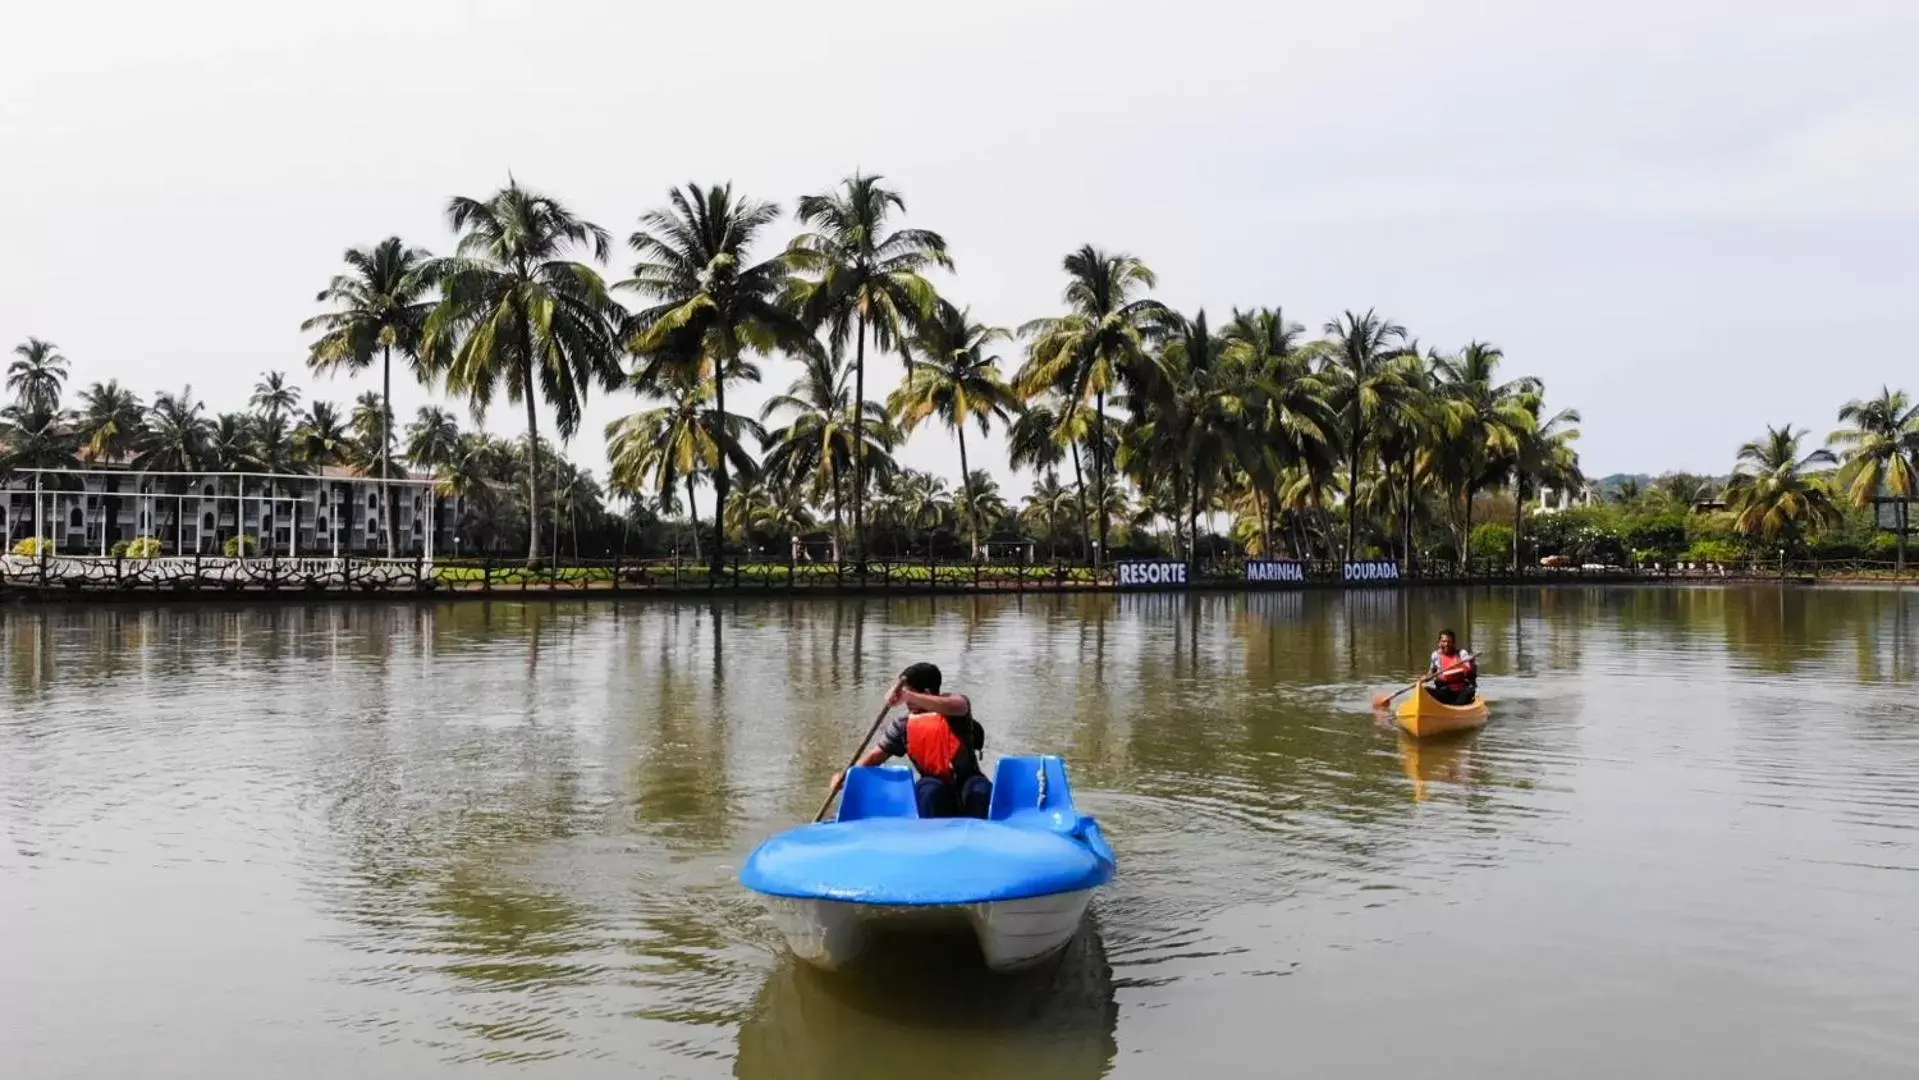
1446	759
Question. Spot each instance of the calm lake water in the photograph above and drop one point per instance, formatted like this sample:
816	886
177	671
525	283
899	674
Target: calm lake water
490	840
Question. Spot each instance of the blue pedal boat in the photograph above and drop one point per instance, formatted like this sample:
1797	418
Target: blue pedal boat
1020	879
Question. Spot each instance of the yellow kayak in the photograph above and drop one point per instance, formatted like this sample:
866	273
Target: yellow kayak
1423	714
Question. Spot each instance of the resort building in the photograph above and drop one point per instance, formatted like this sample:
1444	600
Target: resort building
332	513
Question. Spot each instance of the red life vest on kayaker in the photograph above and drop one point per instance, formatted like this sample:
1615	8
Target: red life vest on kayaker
936	748
1454	672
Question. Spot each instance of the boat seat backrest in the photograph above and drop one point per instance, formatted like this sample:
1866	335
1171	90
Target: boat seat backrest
1034	784
876	791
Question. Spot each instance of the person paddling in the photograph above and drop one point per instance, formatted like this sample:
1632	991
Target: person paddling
942	740
1454	672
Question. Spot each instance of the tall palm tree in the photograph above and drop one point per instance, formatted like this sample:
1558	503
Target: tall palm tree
38	376
1775	491
433	439
274	397
109	422
322	438
1543	456
1096	348
711	304
924	502
380	304
1042	436
820	439
1367	385
177	439
678	442
1881	453
517	314
1486	421
1048	499
956	381
1292	419
858	280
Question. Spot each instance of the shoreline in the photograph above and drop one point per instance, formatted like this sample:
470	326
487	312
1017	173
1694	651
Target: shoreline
70	594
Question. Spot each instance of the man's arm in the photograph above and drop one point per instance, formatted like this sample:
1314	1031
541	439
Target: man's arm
944	704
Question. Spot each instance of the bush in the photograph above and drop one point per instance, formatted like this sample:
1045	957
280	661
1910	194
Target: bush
1712	551
1492	542
144	547
1657	538
240	547
27	546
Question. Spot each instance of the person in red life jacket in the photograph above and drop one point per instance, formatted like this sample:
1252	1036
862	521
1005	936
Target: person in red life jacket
1454	672
940	737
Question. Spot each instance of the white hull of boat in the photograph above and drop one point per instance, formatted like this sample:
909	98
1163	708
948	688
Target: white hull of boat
1012	934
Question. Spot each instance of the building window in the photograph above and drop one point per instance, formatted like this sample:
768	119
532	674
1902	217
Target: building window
76	519
372	502
207	523
209	489
319	524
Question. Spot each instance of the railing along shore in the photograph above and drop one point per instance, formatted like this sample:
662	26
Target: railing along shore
82	577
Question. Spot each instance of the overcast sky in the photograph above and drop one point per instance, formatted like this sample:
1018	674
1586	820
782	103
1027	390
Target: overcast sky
1691	217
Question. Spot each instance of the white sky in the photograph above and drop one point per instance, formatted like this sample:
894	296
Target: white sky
1690	217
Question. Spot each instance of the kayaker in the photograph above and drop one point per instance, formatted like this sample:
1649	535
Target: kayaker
1454	672
940	737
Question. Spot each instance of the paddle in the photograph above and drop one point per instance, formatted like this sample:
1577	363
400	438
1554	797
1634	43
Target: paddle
1380	701
854	760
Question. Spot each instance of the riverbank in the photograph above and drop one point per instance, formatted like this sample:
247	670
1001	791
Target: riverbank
61	579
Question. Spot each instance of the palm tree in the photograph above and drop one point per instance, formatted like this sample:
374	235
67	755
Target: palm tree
711	304
817	446
957	382
1486	422
923	500
1881	453
433	439
38	376
980	500
1096	348
1367	385
109	423
275	398
516	313
1042	436
372	428
322	438
1292	420
678	442
1681	491
859	280
177	439
1045	503
1543	455
1775	492
380	304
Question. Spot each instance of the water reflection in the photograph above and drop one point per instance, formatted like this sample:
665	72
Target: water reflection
506	831
932	1010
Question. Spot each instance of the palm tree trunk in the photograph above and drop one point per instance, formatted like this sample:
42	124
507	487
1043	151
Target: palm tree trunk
859	440
693	511
386	449
1902	535
1352	488
1519	519
1466	534
966	483
1265	523
533	460
1099	471
1406	520
1192	526
722	483
1079	491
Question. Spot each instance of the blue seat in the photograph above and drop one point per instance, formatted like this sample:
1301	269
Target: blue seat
1033	788
878	791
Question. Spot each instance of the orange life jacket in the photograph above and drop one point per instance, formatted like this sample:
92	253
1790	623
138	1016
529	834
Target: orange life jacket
1454	671
934	748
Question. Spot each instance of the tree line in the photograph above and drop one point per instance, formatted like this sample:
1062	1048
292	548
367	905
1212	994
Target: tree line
1351	442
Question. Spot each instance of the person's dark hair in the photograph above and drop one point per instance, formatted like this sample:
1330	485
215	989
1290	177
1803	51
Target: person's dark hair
1448	633
922	677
